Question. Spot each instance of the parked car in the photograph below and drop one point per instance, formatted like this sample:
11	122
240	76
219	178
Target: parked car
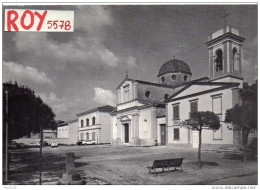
35	145
12	145
21	145
54	144
88	142
79	143
45	143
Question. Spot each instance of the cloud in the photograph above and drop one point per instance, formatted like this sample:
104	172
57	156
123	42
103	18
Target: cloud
249	61
130	61
105	97
84	49
25	74
59	105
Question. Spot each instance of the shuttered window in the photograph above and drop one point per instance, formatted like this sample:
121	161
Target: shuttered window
193	106
217	106
176	112
93	136
81	136
176	134
82	123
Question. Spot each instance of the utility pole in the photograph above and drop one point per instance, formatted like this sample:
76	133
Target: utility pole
6	137
41	141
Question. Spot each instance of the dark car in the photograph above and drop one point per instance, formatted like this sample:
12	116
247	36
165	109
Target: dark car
21	145
45	143
79	143
12	145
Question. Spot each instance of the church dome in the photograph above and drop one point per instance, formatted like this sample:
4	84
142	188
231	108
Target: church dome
174	66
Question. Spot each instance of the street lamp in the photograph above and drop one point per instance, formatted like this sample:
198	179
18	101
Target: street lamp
6	136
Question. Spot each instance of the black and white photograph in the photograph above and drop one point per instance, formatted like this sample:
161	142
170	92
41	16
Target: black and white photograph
130	94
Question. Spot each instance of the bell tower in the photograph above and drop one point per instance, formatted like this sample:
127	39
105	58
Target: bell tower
225	47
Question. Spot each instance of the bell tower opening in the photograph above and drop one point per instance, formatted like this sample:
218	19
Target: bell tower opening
225	46
219	60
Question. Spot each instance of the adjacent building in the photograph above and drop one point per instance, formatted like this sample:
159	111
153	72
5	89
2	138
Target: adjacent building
150	113
95	125
67	133
47	134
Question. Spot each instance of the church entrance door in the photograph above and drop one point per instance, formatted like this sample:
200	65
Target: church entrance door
163	134
126	133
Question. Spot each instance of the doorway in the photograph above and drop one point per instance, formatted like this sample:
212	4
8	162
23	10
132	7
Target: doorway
126	133
163	134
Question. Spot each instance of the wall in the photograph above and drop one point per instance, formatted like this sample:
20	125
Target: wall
185	135
27	141
114	129
63	132
89	116
157	93
147	126
105	121
230	79
204	104
73	133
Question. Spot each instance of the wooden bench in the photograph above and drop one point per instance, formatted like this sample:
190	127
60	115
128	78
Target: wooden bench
166	164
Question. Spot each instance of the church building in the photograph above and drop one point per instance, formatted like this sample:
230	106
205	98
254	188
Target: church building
150	113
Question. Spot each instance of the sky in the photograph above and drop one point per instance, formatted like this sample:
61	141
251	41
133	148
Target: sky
78	71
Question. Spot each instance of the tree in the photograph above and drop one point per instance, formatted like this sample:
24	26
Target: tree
26	112
199	121
244	116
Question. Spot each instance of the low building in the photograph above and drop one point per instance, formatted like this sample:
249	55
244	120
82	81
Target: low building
95	124
68	131
47	134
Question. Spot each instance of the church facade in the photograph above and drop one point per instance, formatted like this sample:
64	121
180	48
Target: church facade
150	113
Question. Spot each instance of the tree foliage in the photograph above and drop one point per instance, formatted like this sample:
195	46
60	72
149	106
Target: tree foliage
199	121
203	120
243	116
26	112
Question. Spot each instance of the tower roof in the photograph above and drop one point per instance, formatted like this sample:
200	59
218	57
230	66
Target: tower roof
174	66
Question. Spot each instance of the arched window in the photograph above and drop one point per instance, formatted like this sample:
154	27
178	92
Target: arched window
185	78
147	94
93	121
87	122
163	79
166	96
235	59
219	60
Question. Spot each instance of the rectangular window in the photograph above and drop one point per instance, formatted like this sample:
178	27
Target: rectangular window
81	136
217	106
82	123
193	106
93	136
126	93
87	136
176	134
176	112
